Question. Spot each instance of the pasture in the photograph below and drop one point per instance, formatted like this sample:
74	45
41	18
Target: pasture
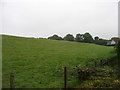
38	63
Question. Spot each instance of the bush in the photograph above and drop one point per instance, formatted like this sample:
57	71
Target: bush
69	37
55	37
118	49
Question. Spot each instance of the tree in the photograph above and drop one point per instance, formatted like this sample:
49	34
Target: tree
118	55
87	38
69	37
118	49
79	38
55	37
96	38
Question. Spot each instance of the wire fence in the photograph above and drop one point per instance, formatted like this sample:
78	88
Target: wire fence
82	74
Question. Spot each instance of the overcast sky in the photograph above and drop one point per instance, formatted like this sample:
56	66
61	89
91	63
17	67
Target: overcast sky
43	18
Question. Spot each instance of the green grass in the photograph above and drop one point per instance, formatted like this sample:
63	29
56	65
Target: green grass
38	63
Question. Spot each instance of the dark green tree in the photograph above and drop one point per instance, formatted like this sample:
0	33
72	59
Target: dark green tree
118	49
55	37
96	38
79	38
87	38
69	37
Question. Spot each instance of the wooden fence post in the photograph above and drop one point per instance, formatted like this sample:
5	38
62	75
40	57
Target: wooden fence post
11	81
101	62
65	77
95	63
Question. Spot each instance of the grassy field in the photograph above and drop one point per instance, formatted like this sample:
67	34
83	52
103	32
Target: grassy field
38	63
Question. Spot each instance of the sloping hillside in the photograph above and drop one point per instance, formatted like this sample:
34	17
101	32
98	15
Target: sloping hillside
38	63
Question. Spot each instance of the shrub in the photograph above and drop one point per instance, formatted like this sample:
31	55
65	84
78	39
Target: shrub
118	49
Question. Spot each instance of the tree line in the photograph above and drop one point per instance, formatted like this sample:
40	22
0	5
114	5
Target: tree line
86	37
